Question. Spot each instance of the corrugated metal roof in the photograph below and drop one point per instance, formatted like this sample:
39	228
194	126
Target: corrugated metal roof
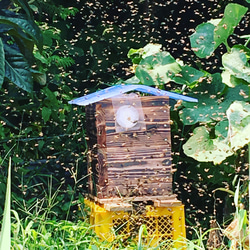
121	89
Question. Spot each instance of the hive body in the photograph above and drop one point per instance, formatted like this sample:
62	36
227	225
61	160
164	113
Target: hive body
133	161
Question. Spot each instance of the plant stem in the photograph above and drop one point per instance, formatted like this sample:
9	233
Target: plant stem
246	43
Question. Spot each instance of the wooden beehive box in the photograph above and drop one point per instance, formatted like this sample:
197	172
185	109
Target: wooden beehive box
133	162
129	159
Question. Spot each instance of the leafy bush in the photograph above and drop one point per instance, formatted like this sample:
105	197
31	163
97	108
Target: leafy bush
18	34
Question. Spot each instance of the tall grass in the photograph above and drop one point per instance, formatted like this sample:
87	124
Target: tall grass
5	237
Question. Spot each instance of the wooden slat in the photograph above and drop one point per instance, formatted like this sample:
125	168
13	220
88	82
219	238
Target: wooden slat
167	203
163	198
150	189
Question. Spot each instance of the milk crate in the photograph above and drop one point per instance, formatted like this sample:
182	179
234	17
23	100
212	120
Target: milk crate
164	225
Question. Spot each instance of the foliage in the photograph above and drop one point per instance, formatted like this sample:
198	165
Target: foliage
18	34
44	135
229	104
209	142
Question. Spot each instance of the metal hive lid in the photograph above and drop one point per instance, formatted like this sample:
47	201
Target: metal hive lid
121	89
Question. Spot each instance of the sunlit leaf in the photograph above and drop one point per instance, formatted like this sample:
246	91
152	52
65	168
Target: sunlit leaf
212	106
150	49
137	54
232	15
202	41
236	62
204	149
154	69
188	76
239	124
230	80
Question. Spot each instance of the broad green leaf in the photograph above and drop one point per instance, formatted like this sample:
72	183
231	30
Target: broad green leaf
204	149
26	26
161	58
215	22
212	105
17	69
51	100
236	63
148	50
46	112
232	15
210	35
5	235
137	54
238	115
2	63
155	69
143	75
230	80
221	130
24	43
151	49
188	76
202	41
132	80
208	109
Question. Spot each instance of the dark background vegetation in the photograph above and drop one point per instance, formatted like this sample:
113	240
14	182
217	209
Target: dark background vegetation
85	48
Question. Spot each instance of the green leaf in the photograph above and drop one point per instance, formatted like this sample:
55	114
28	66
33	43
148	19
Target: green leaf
2	63
26	26
232	15
155	69
137	54
221	130
46	112
236	63
210	35
207	109
230	80
204	149
51	100
17	69
212	105
202	41
187	76
150	49
238	115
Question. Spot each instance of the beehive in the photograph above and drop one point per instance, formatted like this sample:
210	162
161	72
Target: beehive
129	142
134	161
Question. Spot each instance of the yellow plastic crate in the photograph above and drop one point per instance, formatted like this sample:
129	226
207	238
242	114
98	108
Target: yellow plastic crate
163	224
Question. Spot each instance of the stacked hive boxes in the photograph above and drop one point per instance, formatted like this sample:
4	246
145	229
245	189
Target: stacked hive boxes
129	164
